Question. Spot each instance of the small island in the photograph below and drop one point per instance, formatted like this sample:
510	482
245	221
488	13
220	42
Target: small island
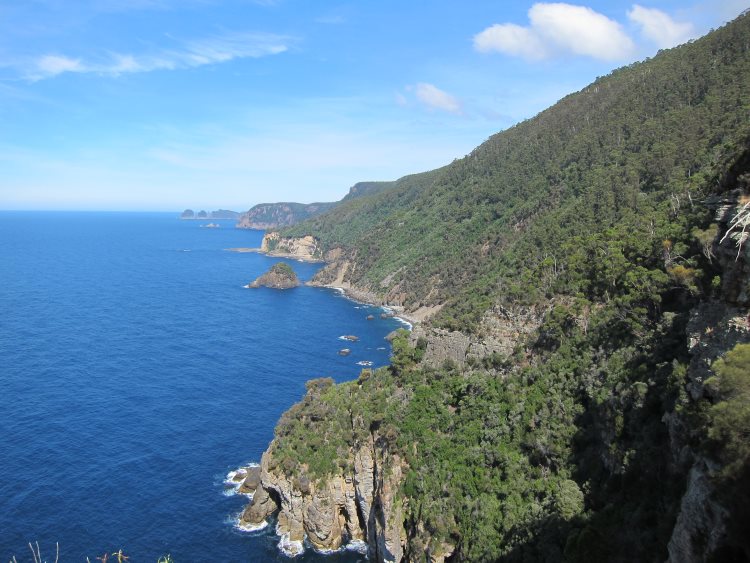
280	276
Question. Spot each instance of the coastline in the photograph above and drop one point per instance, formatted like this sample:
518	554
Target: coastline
368	298
244	250
361	296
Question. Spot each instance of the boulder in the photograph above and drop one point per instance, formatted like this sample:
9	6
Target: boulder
252	480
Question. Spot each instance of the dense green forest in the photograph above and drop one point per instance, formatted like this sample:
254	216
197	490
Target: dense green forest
612	170
576	446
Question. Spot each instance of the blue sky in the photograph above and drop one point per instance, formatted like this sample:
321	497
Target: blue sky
167	104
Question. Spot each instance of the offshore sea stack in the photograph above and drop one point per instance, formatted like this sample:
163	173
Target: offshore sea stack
280	276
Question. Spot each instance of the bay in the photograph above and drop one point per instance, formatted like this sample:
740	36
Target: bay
136	371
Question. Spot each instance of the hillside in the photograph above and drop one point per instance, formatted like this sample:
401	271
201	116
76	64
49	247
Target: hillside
276	215
581	390
285	214
498	223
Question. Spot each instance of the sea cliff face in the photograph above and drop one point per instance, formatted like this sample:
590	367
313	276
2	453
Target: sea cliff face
301	248
359	505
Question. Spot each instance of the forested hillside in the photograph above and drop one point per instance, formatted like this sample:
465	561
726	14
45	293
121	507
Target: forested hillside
286	214
604	171
615	428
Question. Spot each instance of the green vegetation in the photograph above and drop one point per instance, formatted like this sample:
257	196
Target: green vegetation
562	451
577	200
284	214
730	417
527	464
283	269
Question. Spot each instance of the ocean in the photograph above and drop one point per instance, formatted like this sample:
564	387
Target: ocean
136	372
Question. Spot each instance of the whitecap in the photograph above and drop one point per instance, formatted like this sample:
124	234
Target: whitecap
288	547
247	527
231	486
230	478
404	322
357	545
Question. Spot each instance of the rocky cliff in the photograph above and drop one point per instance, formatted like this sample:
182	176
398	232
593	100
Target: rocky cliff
358	506
301	248
714	328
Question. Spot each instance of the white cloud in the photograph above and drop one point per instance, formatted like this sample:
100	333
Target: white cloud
659	27
581	30
511	39
556	28
435	98
212	50
52	65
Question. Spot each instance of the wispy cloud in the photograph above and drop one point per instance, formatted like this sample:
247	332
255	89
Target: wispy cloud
434	98
558	28
331	19
206	51
659	27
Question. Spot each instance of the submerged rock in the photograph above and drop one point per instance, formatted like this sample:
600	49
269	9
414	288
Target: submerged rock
280	276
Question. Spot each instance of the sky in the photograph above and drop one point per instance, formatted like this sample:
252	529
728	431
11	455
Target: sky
164	105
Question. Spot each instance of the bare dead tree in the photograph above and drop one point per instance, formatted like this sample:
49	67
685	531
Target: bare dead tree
738	228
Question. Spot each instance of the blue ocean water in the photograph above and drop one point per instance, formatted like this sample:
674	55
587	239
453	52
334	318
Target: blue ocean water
136	371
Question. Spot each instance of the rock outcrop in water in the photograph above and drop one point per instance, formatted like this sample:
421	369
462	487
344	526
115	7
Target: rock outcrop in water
280	276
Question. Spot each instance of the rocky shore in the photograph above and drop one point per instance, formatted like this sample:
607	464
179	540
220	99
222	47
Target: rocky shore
357	508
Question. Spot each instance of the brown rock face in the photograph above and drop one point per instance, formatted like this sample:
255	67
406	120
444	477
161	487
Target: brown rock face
260	508
358	504
251	481
302	248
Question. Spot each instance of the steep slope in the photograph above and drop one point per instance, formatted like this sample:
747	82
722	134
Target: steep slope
497	224
594	405
286	214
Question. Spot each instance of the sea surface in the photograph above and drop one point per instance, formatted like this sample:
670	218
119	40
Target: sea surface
136	371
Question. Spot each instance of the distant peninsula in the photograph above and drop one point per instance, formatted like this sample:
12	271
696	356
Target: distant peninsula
285	214
280	276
